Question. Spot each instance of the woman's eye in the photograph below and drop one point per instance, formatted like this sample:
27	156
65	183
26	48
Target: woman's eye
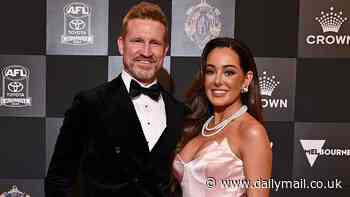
229	73
208	72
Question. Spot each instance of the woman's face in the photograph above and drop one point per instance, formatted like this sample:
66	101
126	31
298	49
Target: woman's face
224	78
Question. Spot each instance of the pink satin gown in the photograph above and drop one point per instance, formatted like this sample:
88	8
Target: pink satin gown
216	161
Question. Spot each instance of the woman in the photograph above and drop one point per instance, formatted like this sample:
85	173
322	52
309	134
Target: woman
225	142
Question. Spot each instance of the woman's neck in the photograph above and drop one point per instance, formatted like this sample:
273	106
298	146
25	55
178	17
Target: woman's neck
221	113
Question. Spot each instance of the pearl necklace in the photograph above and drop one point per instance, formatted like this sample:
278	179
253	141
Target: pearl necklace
219	127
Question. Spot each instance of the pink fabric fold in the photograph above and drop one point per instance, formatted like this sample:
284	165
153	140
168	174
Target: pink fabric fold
215	162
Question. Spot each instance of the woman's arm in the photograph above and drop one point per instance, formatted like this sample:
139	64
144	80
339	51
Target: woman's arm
257	158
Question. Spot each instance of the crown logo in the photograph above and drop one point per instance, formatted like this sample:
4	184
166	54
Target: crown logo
267	84
331	21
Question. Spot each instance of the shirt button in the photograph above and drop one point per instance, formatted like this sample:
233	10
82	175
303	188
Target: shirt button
117	149
148	123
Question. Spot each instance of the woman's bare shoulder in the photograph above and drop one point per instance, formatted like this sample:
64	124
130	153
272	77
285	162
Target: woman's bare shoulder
251	129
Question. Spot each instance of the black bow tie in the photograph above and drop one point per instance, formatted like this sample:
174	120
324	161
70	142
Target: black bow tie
135	90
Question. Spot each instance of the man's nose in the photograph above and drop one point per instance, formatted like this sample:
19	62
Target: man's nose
146	50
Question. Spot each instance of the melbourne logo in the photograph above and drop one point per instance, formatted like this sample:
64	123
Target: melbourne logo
330	22
77	24
267	85
202	23
14	192
15	86
313	149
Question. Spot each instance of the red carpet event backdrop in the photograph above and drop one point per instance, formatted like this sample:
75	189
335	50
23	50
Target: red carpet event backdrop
51	49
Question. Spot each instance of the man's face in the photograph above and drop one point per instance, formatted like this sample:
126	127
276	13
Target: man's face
143	49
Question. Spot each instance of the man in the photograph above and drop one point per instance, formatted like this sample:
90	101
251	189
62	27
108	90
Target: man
120	137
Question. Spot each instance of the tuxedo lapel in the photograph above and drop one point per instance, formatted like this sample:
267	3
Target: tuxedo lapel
120	111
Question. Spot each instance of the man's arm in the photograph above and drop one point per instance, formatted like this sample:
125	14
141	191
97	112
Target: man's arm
65	161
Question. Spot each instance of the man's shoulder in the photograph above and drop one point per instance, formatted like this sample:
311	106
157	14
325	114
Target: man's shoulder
180	105
98	92
170	97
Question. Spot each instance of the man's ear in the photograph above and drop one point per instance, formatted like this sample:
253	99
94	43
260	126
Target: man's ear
120	43
166	49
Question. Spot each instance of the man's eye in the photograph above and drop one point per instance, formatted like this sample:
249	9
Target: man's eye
156	43
136	40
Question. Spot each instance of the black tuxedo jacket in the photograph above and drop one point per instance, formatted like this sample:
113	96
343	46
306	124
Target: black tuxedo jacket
102	141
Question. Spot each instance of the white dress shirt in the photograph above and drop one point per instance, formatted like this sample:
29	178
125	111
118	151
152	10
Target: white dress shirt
151	114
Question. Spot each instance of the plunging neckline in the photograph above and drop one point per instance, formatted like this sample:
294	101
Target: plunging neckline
200	155
217	160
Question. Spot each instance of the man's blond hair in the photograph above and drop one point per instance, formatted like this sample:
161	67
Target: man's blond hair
145	10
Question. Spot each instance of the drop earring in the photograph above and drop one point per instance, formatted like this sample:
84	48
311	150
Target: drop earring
244	90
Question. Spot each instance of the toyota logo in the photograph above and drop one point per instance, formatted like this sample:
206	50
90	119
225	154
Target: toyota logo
15	86
77	24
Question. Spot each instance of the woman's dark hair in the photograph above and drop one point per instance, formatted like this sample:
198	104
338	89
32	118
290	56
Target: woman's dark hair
197	99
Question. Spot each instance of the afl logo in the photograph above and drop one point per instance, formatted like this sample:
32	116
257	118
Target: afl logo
16	73
77	24
15	87
77	10
202	23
